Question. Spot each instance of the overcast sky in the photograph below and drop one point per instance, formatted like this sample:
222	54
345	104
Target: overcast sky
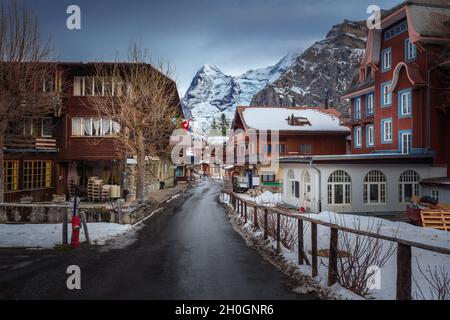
235	35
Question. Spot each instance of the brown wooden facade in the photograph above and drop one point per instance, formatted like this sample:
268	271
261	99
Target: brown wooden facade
95	155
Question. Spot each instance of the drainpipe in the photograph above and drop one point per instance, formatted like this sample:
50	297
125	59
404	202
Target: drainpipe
319	203
428	105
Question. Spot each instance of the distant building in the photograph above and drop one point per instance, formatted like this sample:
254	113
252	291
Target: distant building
301	132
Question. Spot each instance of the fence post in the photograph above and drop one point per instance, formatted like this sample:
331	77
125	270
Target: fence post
64	227
278	232
245	212
266	235
314	248
403	272
300	241
242	208
255	216
120	211
86	231
332	258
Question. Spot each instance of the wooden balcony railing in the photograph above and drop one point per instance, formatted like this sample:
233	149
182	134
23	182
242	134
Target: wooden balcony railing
42	144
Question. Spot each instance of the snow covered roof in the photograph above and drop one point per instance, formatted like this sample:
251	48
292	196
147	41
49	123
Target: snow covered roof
275	118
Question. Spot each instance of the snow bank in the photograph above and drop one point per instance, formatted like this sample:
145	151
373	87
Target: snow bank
267	198
388	273
49	235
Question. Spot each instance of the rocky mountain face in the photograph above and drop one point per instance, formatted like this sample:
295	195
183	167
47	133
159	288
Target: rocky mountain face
299	79
326	69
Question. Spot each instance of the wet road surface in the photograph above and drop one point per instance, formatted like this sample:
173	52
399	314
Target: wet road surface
187	251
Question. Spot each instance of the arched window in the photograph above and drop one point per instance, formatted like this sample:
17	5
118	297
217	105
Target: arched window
375	188
306	177
306	185
408	186
294	186
339	188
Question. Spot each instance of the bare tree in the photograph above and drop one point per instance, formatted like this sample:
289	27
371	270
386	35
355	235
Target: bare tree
438	281
22	71
359	256
144	103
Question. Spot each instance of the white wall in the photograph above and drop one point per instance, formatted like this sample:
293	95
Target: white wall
444	193
357	173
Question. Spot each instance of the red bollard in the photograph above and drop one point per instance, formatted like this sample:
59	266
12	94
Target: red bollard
76	225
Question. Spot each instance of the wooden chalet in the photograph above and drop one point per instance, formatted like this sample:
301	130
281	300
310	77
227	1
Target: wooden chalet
58	154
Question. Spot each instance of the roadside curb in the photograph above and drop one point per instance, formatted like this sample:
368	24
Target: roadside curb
160	206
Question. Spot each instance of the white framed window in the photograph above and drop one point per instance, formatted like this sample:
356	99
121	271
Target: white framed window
370	135
358	132
370	106
386	94
435	194
387	130
38	127
375	188
46	127
294	185
405	101
386	59
410	50
408	186
90	127
305	149
95	86
339	188
406	142
358	108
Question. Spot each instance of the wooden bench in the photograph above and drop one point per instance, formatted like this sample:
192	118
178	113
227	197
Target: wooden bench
436	219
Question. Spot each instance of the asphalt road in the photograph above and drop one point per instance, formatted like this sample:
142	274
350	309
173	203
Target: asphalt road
187	251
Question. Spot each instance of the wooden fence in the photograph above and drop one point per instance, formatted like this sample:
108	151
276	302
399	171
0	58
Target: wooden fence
404	266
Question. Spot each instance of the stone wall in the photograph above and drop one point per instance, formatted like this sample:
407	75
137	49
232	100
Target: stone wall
157	170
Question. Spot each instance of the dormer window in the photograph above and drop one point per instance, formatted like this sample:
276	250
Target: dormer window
298	121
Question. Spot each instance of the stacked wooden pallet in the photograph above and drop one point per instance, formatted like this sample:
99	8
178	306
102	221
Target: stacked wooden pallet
436	219
105	193
94	189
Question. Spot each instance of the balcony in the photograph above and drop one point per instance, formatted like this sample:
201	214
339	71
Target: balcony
30	144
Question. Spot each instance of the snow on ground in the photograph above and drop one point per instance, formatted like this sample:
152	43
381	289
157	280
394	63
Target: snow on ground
267	198
49	235
388	273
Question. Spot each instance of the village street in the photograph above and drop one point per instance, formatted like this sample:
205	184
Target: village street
187	251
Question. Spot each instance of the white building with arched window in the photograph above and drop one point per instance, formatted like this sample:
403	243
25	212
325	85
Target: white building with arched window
354	183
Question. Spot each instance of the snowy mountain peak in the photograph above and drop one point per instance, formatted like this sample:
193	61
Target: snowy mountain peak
212	92
209	69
